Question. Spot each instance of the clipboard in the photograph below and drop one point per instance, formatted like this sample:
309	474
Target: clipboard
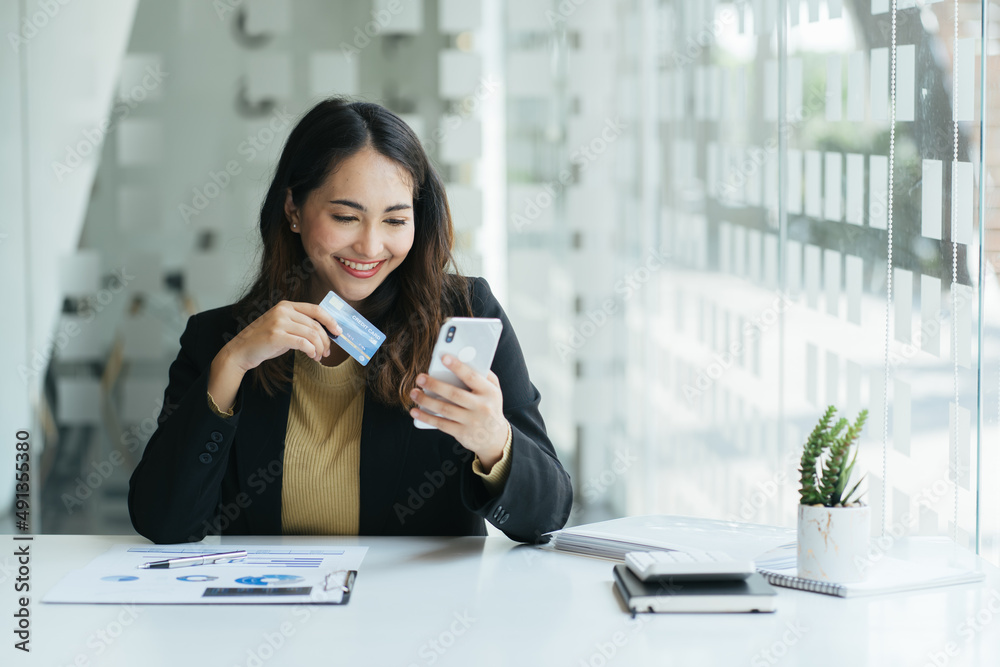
346	585
270	574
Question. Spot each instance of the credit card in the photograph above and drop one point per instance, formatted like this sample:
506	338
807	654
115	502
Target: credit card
360	338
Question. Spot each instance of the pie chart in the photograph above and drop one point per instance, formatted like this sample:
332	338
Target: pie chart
269	580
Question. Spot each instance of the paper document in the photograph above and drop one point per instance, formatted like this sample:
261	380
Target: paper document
613	539
886	575
270	574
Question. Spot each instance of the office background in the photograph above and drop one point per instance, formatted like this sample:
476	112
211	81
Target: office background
685	206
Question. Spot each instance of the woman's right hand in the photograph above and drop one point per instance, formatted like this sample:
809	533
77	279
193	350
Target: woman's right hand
288	325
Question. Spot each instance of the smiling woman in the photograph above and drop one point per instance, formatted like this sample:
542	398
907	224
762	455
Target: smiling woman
355	208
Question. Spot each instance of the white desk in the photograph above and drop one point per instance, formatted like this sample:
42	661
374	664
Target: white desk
487	601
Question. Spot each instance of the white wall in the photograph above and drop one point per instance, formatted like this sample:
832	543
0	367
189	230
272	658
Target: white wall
69	57
14	403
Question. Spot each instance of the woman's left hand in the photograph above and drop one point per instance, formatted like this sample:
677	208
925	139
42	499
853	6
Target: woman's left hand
476	419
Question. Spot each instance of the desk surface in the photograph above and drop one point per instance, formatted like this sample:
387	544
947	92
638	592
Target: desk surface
488	601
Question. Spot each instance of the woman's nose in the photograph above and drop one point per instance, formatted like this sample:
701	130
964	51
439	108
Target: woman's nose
369	245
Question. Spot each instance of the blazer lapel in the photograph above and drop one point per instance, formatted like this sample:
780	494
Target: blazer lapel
385	436
261	455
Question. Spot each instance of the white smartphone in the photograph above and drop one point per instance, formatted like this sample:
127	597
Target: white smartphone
472	340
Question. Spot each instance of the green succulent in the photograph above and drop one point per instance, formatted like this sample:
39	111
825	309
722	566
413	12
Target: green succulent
826	486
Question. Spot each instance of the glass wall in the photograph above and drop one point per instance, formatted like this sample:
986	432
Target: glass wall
821	206
771	207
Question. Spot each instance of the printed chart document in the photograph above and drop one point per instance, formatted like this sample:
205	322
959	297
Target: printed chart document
268	575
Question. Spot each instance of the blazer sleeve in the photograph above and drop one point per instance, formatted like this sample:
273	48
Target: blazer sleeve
538	495
175	490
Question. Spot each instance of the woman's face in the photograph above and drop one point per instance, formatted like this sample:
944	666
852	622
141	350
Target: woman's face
356	227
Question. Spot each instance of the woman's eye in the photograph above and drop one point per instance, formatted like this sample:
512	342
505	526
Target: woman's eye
397	221
344	218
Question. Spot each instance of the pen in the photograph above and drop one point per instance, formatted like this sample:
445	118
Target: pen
188	561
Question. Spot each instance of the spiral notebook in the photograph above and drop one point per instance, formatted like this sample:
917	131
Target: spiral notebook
887	575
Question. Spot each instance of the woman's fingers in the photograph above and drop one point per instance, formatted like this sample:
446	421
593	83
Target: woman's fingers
290	325
461	397
476	419
289	312
283	327
443	425
320	315
319	343
317	334
464	372
443	408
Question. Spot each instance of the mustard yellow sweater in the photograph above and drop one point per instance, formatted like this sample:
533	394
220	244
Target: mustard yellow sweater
321	488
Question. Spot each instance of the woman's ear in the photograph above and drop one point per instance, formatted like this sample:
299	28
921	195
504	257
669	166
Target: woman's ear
291	211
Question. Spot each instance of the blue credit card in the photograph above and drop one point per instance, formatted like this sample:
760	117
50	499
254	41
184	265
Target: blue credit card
360	338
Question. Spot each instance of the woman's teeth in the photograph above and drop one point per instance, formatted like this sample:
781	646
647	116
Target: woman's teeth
359	267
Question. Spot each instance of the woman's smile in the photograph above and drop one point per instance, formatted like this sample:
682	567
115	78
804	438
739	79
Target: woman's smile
360	269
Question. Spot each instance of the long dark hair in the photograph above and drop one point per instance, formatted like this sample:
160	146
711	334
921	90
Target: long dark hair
414	300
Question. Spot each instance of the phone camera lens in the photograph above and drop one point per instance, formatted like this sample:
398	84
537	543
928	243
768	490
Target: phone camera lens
451	335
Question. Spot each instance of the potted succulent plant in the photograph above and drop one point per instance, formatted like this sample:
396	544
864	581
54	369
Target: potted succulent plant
833	523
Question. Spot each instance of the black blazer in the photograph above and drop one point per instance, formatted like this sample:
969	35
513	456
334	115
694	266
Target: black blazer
202	474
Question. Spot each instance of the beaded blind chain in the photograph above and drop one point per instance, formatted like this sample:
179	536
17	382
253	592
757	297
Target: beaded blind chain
954	270
888	274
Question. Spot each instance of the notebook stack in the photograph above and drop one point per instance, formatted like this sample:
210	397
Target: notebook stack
742	595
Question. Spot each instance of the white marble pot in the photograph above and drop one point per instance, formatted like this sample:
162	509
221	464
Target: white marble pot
833	543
